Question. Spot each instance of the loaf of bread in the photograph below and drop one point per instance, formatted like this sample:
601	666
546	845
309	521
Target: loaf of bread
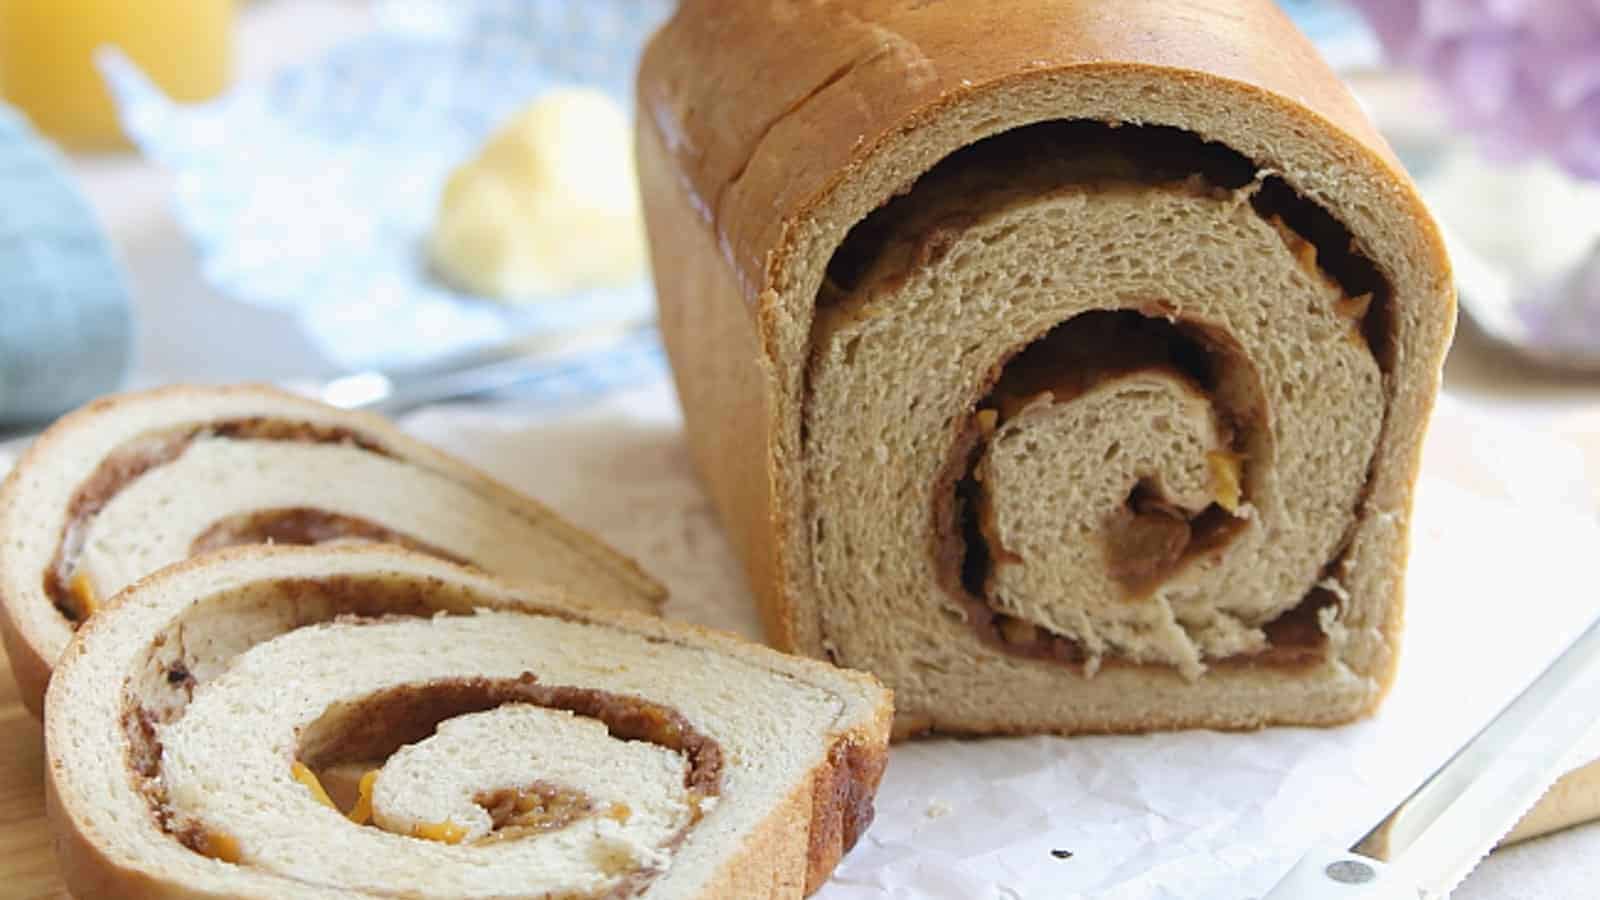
1063	362
129	484
513	744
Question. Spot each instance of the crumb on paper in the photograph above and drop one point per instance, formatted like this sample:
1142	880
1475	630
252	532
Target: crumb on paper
938	809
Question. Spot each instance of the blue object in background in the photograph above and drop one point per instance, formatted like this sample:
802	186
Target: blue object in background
65	318
1339	31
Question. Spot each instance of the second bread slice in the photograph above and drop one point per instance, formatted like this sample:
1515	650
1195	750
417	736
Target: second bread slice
514	745
130	484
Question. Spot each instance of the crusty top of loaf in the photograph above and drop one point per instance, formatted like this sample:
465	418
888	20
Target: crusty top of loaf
767	105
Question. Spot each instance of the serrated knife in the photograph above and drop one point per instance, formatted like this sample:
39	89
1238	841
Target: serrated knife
1430	842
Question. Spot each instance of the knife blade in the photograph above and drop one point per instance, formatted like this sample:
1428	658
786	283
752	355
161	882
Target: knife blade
516	363
1437	835
495	368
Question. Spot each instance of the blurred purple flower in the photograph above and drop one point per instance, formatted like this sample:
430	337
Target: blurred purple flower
1522	74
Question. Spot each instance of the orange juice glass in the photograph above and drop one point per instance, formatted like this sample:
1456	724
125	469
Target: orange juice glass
47	58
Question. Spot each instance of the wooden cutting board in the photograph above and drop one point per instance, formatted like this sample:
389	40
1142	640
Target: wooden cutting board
28	866
27	862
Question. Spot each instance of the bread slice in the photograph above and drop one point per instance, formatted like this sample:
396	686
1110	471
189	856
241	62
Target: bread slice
132	483
1064	363
524	745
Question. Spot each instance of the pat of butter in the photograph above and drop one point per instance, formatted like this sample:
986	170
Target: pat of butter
550	205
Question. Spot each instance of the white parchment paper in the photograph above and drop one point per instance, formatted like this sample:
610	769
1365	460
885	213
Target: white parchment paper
1501	578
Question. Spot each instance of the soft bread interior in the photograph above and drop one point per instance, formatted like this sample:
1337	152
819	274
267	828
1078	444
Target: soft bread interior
980	261
235	667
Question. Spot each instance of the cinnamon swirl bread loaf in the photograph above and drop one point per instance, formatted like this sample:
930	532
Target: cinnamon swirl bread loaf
129	484
1065	363
512	744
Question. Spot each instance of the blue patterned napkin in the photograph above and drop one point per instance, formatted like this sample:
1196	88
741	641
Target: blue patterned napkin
65	320
313	191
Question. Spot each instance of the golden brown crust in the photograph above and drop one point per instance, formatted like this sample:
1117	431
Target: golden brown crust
721	382
911	727
746	179
757	153
841	805
796	849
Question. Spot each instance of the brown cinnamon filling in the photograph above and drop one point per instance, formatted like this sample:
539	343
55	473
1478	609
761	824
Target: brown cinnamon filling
1148	540
302	526
539	808
405	714
140	455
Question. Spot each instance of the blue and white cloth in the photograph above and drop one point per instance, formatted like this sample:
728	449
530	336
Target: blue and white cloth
313	191
65	318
